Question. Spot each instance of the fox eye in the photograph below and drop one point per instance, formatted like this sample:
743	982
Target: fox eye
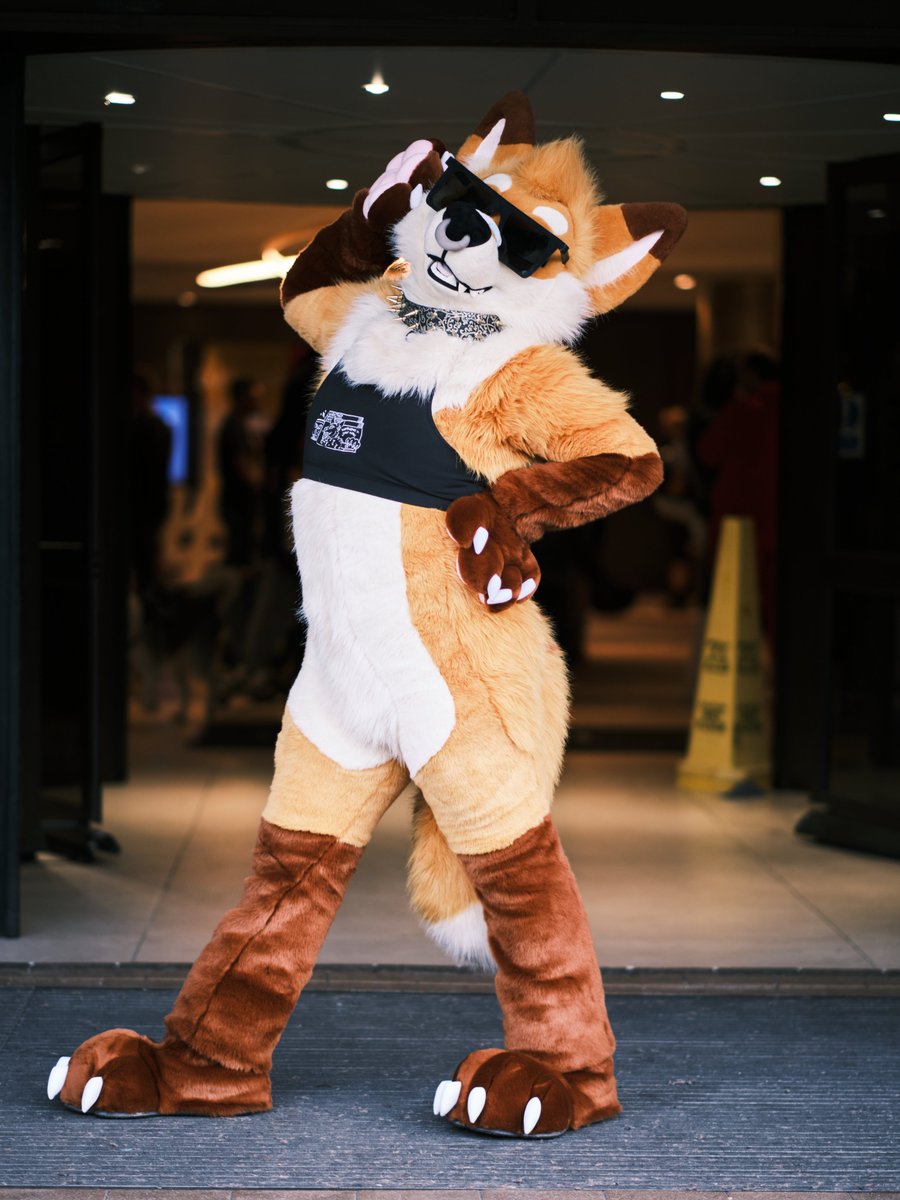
552	218
501	182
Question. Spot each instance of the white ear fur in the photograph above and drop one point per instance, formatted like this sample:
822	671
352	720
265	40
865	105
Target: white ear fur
608	269
480	159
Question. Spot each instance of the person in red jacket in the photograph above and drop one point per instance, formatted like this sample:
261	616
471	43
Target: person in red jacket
741	446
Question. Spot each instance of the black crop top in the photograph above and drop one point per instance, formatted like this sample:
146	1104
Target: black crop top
386	446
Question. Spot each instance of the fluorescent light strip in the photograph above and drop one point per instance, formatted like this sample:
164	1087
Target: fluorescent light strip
272	266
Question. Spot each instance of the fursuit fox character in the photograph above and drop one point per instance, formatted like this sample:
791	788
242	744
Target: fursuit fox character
450	406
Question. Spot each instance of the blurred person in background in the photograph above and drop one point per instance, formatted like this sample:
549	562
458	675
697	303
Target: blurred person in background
273	649
242	470
151	447
740	446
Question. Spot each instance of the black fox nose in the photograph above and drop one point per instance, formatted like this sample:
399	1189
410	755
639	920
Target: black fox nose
462	226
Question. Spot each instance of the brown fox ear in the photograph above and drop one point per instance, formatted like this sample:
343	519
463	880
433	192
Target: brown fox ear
632	240
505	132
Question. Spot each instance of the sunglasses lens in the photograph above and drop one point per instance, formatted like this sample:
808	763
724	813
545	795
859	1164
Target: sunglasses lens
455	184
458	184
526	245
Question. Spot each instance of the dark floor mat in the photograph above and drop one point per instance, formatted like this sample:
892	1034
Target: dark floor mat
724	1093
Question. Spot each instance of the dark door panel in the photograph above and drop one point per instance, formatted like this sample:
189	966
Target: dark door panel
858	794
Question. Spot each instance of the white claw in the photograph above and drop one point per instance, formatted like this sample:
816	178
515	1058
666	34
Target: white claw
415	196
526	589
479	541
91	1093
449	1096
57	1078
500	597
493	586
475	1103
532	1114
436	1108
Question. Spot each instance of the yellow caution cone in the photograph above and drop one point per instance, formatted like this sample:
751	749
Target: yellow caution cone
728	751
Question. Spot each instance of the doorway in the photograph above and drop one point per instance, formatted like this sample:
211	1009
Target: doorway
638	153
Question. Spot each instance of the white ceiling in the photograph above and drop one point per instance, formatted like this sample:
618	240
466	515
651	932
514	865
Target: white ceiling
270	125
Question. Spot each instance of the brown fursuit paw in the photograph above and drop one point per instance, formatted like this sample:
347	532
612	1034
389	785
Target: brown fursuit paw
122	1074
508	1094
501	1092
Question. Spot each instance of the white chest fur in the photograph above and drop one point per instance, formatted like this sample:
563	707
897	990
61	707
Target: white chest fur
368	690
375	347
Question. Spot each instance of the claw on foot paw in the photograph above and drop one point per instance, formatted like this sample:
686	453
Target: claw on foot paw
57	1077
446	1096
508	1094
91	1093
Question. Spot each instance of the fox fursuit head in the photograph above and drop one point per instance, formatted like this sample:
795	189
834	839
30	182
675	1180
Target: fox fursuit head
453	426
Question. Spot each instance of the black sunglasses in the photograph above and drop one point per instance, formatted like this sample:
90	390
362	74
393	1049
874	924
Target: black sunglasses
526	245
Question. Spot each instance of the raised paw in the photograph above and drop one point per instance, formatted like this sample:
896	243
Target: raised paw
508	1094
402	183
121	1073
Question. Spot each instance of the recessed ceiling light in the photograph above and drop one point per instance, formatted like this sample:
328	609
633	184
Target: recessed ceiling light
337	185
140	168
770	181
685	283
671	95
118	98
892	116
877	214
376	85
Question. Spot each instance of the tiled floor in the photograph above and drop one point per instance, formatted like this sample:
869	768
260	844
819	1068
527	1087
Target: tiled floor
670	879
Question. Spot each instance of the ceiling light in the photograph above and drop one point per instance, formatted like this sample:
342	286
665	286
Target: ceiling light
685	283
671	95
272	265
337	185
892	116
770	181
140	168
118	98
876	213
376	85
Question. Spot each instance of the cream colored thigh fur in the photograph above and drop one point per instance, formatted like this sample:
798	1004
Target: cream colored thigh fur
311	792
494	778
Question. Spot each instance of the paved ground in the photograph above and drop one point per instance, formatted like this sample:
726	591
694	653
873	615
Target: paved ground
483	1194
720	1093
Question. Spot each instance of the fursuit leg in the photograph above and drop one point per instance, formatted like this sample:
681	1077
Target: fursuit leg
238	996
556	1072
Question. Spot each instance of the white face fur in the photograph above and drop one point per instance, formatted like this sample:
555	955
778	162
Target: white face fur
553	309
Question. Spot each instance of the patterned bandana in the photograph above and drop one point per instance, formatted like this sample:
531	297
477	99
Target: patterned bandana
471	327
